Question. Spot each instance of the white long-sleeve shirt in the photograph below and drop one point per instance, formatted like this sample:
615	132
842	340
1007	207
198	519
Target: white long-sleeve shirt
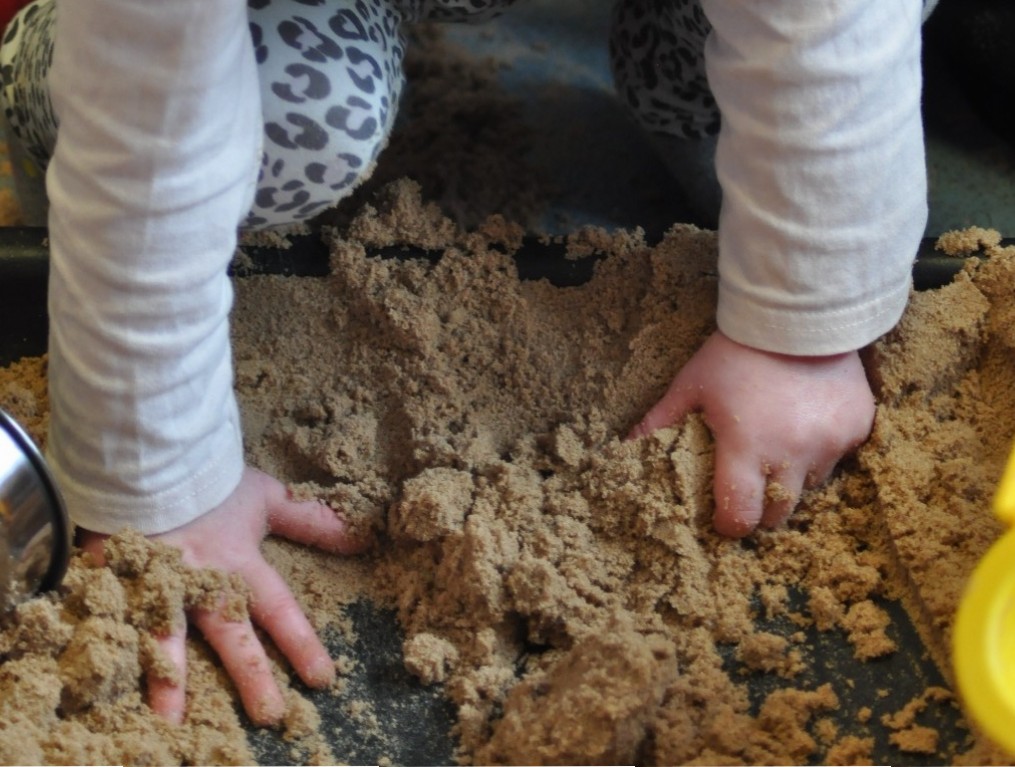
821	162
820	157
155	164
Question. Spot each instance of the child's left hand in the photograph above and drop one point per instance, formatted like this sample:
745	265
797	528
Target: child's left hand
780	423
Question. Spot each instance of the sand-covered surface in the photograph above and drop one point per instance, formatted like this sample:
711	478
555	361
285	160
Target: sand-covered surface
560	586
563	586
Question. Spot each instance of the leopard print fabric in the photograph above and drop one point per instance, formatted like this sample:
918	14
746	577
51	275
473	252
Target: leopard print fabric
331	78
23	97
657	53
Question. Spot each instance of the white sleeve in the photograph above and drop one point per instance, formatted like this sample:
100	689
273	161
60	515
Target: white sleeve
821	162
155	164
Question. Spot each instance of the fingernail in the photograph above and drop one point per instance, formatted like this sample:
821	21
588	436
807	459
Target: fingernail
267	712
175	718
320	673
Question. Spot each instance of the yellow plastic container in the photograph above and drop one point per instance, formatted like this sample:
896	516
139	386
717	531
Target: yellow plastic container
983	652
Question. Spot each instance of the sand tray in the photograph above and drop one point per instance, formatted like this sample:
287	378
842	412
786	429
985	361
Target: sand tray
416	718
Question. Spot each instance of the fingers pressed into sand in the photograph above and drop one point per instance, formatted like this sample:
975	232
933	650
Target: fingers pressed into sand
246	663
167	695
274	608
310	523
739	488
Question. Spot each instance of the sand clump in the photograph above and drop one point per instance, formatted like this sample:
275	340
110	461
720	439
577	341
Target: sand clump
562	584
71	665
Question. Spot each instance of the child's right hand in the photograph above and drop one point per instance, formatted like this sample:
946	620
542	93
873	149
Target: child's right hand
228	538
780	423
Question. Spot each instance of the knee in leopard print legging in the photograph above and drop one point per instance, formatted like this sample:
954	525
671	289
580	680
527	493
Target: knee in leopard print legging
331	77
657	52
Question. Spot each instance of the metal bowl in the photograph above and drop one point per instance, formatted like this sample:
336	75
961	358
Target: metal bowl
34	530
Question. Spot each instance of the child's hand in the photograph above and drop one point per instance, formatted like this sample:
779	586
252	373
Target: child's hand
228	538
780	424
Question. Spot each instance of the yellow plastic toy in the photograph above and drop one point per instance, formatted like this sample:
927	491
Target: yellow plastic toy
984	638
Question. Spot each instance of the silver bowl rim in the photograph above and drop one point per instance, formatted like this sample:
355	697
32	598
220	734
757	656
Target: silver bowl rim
59	519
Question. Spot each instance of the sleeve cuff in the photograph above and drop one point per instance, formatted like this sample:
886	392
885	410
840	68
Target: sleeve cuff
208	483
815	332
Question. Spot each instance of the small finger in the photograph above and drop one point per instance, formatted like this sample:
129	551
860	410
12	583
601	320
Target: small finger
275	609
167	686
739	489
246	663
783	488
311	523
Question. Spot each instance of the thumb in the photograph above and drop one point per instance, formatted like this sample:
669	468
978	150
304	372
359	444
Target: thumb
683	397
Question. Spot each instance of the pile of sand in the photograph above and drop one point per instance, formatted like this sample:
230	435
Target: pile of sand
564	586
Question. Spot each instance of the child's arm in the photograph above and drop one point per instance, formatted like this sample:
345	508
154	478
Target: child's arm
154	167
821	163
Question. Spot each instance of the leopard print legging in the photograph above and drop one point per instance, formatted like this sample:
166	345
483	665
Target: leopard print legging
657	52
331	77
